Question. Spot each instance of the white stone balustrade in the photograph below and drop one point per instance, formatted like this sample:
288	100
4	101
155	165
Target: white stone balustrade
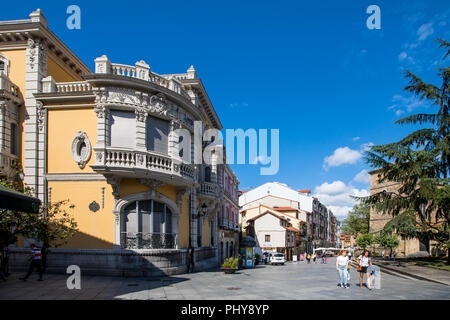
134	160
66	87
209	189
8	86
141	70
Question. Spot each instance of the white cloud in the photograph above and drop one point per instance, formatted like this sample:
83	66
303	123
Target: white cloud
337	196
402	56
366	146
425	31
342	156
336	187
363	177
406	104
356	138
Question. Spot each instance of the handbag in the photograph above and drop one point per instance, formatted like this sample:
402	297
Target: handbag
359	269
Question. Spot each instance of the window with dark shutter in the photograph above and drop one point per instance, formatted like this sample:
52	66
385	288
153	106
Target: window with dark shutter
157	135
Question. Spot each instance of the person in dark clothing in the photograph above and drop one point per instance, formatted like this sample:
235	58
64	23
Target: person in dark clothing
36	260
191	260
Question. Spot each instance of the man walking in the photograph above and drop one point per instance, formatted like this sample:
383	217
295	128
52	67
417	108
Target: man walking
36	259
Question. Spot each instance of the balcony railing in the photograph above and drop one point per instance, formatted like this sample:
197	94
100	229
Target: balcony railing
66	87
139	240
133	72
8	86
209	189
117	158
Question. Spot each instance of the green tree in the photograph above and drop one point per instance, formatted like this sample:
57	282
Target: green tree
364	240
52	225
357	221
420	164
387	241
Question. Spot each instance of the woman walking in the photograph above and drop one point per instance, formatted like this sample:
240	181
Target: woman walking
364	262
341	267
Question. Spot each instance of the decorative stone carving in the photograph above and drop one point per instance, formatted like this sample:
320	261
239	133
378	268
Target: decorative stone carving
36	51
158	104
40	112
100	100
81	149
123	96
141	114
114	181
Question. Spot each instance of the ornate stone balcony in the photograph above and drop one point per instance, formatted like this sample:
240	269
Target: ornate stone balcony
143	164
8	90
208	189
140	70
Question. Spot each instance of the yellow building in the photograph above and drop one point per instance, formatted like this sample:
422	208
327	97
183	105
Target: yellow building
109	142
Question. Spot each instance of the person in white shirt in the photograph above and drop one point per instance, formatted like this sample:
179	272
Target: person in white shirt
341	267
364	262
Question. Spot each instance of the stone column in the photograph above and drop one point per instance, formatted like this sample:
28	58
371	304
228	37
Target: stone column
102	126
141	119
36	70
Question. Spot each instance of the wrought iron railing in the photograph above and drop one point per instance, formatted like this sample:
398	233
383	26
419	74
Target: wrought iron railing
139	240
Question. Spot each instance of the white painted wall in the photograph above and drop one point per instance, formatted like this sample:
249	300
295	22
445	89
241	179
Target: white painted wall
269	224
276	189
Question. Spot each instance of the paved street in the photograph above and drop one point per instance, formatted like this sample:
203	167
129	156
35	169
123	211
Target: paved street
291	281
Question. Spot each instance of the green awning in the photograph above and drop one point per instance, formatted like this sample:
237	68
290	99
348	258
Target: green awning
15	200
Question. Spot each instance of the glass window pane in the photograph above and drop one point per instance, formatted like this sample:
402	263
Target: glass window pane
146	216
131	222
157	221
168	221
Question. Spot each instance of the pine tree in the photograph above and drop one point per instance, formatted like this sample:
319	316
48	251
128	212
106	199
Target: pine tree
420	164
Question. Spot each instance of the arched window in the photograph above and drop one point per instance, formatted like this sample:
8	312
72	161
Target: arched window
208	174
147	225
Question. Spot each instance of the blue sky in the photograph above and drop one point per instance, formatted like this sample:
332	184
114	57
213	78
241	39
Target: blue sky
313	70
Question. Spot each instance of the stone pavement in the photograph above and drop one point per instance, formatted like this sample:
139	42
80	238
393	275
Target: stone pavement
291	281
415	271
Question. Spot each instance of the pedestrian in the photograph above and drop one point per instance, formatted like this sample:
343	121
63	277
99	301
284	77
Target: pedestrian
314	257
341	267
382	253
308	258
191	259
36	260
325	258
364	262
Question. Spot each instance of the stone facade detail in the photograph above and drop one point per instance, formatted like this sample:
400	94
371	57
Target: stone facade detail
81	149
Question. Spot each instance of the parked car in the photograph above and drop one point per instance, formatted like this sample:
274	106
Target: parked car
277	258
